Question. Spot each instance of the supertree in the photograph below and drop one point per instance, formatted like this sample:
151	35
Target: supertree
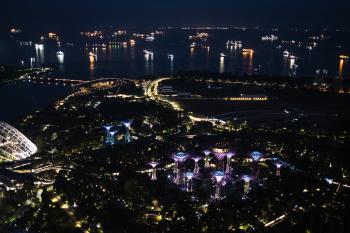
229	155
278	168
108	133
153	164
112	139
256	156
189	176
179	157
219	177
220	155
196	160
207	158
247	180
127	125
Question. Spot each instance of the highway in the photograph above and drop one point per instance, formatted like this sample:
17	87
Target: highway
151	91
14	175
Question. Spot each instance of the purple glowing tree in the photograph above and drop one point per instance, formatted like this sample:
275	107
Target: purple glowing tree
229	155
256	157
179	157
189	177
196	160
220	155
219	177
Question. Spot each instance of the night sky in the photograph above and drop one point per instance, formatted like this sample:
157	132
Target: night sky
58	15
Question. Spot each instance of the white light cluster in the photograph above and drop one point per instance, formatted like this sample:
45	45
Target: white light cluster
13	144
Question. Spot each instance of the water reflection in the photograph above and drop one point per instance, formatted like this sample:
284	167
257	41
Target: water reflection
60	57
171	66
248	62
171	59
104	53
113	59
132	53
222	65
92	59
292	66
192	64
291	62
192	52
285	66
148	63
208	51
32	62
341	68
39	54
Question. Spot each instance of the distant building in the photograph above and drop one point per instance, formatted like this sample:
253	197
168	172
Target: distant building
150	38
15	31
244	97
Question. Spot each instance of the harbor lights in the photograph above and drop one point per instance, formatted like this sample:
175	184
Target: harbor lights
196	160
153	164
207	158
179	157
219	177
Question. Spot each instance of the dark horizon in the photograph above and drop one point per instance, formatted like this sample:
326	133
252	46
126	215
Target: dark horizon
41	16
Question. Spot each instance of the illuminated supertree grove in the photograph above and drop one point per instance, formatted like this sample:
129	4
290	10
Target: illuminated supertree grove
189	176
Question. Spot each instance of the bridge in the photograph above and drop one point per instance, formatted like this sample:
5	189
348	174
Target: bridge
52	81
102	83
14	174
